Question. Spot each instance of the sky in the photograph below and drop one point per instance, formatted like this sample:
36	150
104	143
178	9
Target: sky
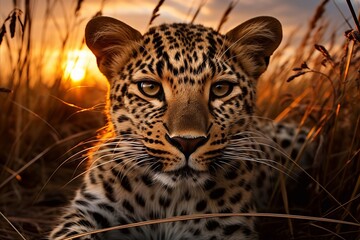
294	15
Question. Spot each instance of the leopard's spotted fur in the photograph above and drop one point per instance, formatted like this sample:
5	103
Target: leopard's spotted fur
182	137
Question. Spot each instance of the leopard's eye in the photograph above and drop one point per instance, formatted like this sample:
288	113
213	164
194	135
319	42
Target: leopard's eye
221	89
150	89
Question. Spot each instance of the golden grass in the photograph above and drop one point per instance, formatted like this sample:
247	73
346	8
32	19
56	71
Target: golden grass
226	15
198	9
316	86
320	88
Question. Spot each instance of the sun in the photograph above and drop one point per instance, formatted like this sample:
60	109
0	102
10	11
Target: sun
75	65
75	71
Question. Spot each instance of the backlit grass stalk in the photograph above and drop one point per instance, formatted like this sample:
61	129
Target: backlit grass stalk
198	10
7	220
155	12
226	14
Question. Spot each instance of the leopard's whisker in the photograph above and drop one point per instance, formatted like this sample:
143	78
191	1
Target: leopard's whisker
95	165
269	164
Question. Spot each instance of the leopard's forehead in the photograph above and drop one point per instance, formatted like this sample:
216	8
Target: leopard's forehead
184	54
185	37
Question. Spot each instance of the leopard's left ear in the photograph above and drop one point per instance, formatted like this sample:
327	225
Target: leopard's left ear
254	41
111	41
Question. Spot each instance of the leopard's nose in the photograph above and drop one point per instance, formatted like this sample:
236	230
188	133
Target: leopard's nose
187	145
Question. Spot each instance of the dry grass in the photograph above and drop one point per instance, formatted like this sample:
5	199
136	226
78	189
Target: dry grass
320	89
155	12
226	15
39	132
197	11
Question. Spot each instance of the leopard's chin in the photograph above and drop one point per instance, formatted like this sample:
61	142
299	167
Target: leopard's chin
185	176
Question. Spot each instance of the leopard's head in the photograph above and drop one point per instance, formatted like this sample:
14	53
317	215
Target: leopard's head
182	90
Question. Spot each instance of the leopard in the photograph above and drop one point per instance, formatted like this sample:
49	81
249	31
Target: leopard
183	137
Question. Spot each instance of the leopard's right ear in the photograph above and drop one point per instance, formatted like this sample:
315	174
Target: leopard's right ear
111	42
254	41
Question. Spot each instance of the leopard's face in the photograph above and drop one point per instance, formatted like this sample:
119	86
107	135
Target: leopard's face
182	92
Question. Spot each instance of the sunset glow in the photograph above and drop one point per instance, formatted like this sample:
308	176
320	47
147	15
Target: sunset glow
76	65
81	64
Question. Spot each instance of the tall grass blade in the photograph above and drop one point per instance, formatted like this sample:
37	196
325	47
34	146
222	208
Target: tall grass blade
17	231
155	12
201	5
2	33
13	24
226	14
78	6
351	8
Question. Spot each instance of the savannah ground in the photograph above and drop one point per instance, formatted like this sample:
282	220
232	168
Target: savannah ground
46	126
